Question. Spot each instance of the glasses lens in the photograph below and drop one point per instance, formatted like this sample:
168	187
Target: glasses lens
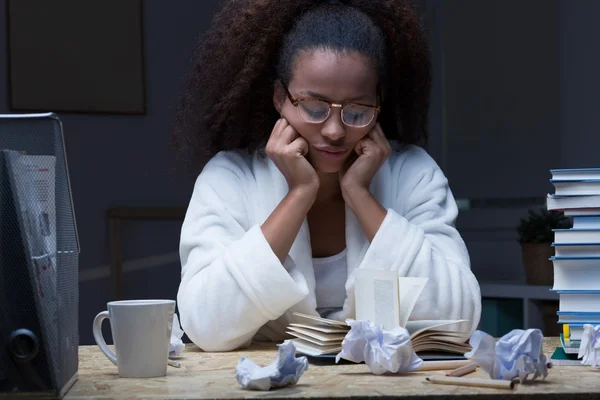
356	115
313	110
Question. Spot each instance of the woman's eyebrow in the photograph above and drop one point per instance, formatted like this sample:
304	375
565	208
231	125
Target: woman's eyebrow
320	96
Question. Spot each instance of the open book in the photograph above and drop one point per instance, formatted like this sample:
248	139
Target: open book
388	300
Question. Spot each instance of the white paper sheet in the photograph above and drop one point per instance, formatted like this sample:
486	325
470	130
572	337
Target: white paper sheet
382	350
176	345
410	289
518	354
285	370
589	349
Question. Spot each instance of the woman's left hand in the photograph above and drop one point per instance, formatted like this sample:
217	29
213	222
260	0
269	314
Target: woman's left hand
370	154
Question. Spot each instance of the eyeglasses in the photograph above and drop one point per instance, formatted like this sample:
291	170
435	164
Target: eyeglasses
315	111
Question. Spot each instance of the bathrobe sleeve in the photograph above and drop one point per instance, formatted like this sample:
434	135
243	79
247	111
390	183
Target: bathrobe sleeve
418	238
231	281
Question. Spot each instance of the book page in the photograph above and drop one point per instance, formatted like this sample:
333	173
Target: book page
322	337
310	339
320	328
415	328
377	297
410	289
306	347
449	336
441	347
322	321
426	337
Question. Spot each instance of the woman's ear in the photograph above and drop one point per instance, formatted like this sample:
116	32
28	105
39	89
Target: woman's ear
278	96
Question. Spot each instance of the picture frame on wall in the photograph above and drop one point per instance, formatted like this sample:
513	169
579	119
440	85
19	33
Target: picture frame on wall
76	56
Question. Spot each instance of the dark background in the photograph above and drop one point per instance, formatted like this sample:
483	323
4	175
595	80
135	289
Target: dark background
515	94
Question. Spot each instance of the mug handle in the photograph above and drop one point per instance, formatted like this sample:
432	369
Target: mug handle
97	330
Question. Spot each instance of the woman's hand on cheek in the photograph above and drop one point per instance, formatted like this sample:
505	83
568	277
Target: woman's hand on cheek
288	151
369	155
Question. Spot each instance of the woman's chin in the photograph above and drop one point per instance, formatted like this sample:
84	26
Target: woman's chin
325	167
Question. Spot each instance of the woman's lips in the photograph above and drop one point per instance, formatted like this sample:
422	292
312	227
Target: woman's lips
331	152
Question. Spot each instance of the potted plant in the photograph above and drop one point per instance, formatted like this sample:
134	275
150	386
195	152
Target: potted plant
536	237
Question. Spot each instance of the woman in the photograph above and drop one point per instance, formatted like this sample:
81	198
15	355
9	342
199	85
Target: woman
297	105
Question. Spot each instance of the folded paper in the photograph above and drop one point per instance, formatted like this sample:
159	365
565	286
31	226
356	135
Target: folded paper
176	345
518	354
589	349
382	350
285	370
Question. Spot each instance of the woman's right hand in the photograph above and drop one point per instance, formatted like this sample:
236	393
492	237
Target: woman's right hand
288	151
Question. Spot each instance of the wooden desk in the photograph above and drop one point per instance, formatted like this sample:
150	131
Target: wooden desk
212	375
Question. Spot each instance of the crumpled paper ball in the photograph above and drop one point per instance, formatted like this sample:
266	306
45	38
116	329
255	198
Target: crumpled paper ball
285	370
517	354
589	349
383	351
176	345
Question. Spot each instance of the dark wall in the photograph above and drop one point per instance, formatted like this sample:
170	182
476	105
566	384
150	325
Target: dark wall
119	160
579	84
125	160
501	97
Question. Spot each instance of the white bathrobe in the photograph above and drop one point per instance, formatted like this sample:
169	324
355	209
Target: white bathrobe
234	288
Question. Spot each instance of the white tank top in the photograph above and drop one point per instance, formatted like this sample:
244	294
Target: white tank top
330	277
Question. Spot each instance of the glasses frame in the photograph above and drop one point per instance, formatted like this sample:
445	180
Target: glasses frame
296	102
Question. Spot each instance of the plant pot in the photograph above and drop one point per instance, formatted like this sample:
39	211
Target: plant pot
536	260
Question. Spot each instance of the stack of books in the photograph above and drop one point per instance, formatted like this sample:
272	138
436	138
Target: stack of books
576	257
318	336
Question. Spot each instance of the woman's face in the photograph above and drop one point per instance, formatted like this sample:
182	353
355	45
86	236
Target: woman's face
337	78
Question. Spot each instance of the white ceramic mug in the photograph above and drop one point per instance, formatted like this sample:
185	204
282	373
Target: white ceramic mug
141	331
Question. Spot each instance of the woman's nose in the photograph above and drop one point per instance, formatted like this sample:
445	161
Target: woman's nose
333	128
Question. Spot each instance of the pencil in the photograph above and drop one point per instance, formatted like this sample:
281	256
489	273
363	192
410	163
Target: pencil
476	382
464	370
443	365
